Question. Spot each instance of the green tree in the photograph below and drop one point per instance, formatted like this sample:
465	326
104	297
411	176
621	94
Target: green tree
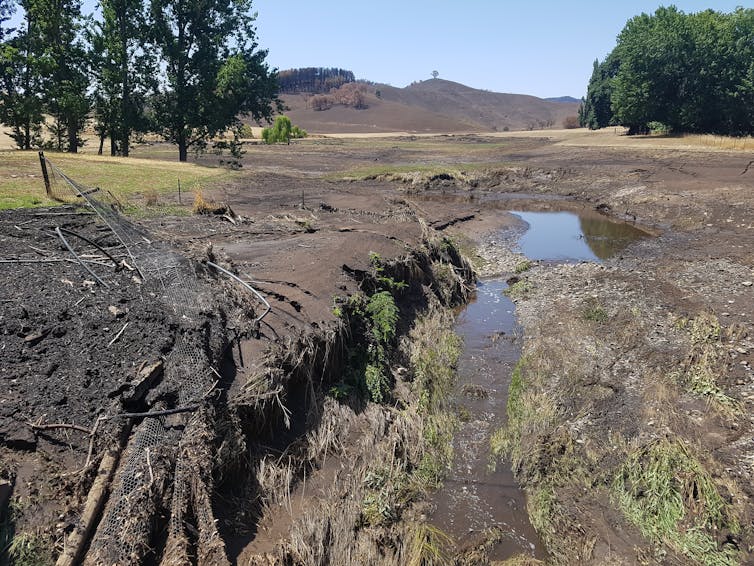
691	72
64	68
282	131
124	71
596	110
215	71
21	105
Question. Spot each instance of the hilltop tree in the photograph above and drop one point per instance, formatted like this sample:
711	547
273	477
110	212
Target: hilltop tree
214	70
435	74
124	72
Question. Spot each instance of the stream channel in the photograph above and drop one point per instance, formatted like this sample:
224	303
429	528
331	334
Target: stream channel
477	500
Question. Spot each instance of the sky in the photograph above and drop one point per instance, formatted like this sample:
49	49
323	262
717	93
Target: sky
540	47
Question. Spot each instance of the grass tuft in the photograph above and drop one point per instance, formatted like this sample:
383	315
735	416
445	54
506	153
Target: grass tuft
670	497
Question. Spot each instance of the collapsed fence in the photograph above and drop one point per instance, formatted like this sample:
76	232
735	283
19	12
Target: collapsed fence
165	434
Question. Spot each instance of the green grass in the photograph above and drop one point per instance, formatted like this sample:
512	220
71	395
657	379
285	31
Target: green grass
519	290
418	171
671	498
129	179
700	373
524	265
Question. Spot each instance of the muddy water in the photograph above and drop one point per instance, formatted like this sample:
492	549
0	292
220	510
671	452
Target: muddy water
473	497
567	236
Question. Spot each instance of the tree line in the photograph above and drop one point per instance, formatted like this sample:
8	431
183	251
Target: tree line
680	72
184	69
314	80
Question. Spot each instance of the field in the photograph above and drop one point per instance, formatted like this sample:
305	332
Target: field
636	377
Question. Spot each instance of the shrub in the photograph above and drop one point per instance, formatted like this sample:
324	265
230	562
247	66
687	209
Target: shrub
571	122
282	131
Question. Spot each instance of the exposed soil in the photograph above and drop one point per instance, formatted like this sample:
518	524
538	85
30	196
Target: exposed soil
304	240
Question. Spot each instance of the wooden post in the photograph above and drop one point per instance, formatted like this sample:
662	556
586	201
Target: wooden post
43	163
179	192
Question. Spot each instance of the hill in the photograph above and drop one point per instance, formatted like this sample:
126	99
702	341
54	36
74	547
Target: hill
435	105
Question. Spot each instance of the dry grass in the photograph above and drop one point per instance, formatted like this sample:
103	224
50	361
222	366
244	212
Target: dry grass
131	179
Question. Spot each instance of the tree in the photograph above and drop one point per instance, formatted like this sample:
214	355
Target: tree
214	70
597	106
282	131
64	68
435	74
124	71
21	105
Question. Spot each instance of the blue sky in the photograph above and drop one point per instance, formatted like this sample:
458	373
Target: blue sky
539	47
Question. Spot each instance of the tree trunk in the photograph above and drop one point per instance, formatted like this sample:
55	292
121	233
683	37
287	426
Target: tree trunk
101	143
113	145
125	109
182	147
73	138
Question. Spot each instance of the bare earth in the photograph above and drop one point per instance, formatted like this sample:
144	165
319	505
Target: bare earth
616	386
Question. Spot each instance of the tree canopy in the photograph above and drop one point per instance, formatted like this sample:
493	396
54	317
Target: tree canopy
690	72
185	69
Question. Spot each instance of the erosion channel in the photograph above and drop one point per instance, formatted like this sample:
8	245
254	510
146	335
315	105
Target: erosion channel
481	503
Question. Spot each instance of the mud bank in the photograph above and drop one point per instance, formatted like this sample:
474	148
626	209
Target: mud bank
630	412
316	447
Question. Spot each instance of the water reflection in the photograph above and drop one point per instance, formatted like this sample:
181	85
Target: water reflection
567	236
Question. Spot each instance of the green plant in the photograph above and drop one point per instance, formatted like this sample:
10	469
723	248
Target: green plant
671	498
383	315
377	383
519	290
282	131
594	313
523	265
29	550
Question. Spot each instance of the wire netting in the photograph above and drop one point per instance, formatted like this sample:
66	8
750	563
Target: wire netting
171	280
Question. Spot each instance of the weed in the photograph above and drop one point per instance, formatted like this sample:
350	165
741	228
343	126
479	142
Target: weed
594	313
377	383
519	290
670	497
150	197
429	546
523	265
29	550
383	314
699	373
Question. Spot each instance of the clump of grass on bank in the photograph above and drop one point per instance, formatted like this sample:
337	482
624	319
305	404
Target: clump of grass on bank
470	174
429	545
29	550
519	289
129	179
670	497
704	363
523	265
594	312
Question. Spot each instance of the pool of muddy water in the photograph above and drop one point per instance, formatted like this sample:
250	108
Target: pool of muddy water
476	497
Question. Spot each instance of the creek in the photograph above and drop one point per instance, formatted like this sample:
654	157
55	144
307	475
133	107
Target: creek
476	497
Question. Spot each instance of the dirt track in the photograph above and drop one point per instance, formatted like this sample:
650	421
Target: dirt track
304	239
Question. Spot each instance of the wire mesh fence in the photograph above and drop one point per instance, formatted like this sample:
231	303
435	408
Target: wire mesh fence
172	282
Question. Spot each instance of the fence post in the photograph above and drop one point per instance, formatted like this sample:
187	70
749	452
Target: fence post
43	164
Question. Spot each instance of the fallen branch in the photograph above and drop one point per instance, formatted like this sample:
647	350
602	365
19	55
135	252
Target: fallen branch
53	426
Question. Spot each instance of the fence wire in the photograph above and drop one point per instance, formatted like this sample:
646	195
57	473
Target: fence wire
123	535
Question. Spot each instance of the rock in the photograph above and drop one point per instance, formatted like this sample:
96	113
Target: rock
747	283
117	312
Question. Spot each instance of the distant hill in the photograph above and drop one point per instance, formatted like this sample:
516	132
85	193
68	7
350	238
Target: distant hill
564	99
435	105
